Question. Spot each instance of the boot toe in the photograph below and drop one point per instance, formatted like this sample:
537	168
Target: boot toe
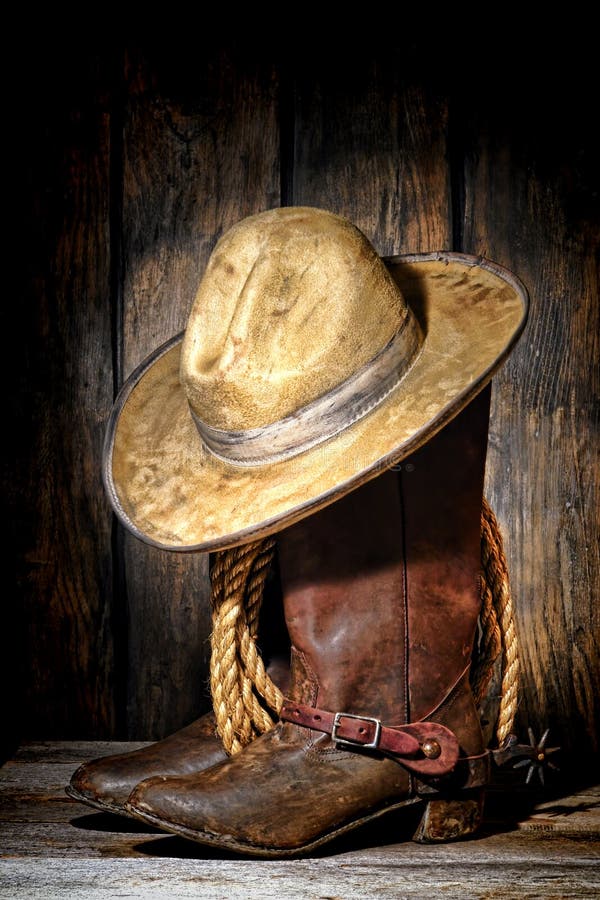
184	806
96	785
158	799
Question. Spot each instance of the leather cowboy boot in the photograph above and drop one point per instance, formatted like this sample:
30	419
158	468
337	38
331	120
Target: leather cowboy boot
107	782
381	597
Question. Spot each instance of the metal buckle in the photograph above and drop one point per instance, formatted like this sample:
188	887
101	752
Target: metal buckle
347	741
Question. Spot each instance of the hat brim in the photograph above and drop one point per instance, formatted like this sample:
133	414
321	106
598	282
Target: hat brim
173	493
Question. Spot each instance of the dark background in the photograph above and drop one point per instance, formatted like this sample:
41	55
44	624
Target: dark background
130	162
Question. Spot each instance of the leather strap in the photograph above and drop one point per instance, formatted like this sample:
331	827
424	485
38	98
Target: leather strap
411	743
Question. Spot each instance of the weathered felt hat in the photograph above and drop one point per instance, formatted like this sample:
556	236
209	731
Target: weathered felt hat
308	366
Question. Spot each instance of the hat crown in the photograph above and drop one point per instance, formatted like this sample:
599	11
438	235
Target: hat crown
293	303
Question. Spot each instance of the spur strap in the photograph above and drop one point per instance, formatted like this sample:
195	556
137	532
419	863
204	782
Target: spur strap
423	747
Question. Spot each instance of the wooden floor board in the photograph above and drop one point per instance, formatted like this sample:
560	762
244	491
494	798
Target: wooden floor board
51	846
71	751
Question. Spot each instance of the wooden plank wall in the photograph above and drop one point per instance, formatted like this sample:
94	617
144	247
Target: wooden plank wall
138	161
195	162
59	636
527	202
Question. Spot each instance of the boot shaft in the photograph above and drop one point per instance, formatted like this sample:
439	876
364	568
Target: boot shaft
343	580
442	491
381	589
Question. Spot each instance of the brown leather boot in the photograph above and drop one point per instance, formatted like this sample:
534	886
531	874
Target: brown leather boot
107	782
381	596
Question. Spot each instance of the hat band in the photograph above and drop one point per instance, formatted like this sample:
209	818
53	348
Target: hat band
324	417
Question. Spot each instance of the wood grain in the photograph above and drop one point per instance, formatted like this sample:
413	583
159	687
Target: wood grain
53	847
61	346
528	187
200	152
71	752
370	142
177	879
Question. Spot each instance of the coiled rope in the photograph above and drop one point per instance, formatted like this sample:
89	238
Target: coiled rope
245	699
497	623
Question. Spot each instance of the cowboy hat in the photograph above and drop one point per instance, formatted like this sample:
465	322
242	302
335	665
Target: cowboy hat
308	366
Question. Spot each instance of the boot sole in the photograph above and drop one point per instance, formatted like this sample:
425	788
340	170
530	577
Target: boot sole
215	840
97	804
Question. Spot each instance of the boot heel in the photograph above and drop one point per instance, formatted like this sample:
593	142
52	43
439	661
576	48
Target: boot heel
447	820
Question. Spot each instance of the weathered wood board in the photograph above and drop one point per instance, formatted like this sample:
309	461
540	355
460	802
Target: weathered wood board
58	638
528	210
54	847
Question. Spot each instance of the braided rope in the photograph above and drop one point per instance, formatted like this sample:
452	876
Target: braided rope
489	647
251	659
245	699
498	623
238	678
228	607
510	668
